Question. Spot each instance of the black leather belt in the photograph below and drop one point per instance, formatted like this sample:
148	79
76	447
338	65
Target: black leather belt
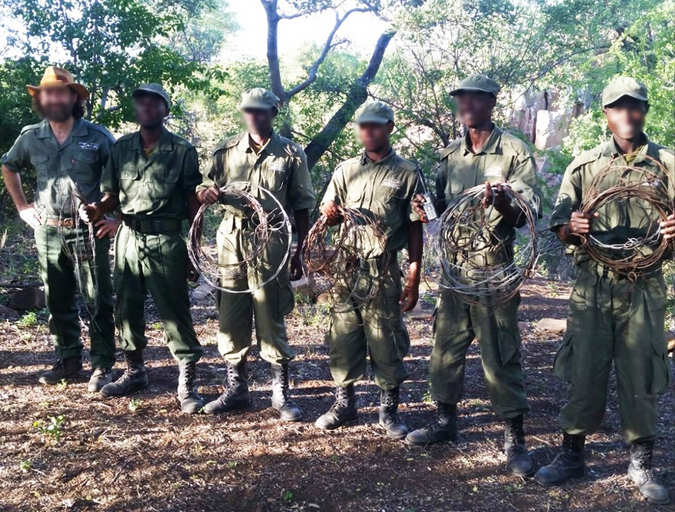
151	226
63	223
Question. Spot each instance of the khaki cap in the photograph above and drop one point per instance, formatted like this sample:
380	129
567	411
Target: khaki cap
259	98
58	77
623	86
480	83
155	89
374	112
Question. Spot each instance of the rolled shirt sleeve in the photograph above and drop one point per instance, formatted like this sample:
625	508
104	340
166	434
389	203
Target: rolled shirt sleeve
417	187
337	189
192	178
110	178
16	159
523	179
569	197
300	190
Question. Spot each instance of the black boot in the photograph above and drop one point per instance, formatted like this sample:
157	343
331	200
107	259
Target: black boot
190	401
236	395
99	377
287	410
389	414
442	430
134	378
342	411
640	472
569	463
518	461
64	369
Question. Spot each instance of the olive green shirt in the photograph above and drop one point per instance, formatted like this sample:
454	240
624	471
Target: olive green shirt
63	171
382	190
503	158
280	167
155	186
618	220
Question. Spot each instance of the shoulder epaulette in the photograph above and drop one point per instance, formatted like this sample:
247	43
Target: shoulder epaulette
228	143
452	147
29	127
588	156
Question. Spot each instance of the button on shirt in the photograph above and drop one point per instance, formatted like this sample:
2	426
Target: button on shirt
66	174
383	190
155	186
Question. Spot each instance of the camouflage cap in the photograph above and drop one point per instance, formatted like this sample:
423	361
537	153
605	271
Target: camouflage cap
374	112
258	98
474	83
156	89
623	86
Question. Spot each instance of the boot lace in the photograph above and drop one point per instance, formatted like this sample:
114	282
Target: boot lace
341	400
189	377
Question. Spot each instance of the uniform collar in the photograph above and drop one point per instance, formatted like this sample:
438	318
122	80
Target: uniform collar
163	144
648	148
273	143
79	129
491	145
365	159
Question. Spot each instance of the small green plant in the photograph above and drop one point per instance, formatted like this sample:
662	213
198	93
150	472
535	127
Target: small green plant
287	497
28	320
135	404
232	464
427	396
157	326
53	428
63	384
25	465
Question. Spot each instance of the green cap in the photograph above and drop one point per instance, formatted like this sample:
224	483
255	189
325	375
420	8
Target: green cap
475	83
152	89
258	98
374	112
623	86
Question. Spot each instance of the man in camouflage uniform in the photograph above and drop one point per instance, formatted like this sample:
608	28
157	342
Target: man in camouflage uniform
258	158
485	155
613	319
380	184
68	155
151	176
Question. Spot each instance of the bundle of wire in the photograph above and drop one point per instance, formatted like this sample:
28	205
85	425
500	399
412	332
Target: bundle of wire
643	191
267	227
80	249
348	260
478	263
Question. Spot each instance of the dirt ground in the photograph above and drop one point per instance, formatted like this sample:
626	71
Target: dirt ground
141	454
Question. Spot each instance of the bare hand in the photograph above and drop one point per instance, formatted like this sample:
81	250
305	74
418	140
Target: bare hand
209	196
30	216
330	210
296	268
668	227
409	297
496	198
191	273
107	227
89	212
417	207
580	223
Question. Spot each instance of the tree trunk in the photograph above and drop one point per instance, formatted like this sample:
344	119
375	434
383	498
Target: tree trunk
358	93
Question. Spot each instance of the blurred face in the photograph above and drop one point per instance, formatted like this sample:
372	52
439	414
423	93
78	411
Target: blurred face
475	108
57	103
626	117
151	110
375	136
259	121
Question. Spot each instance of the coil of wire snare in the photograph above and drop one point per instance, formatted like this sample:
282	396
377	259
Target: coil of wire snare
265	228
467	232
637	254
341	256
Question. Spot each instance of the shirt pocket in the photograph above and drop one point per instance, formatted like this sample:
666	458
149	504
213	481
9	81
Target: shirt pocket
275	174
86	168
129	172
41	165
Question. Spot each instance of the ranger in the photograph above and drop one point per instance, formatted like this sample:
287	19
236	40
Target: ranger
258	158
613	319
68	155
151	176
485	155
380	184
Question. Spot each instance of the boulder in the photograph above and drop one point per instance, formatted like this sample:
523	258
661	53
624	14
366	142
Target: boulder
551	129
28	298
8	313
552	325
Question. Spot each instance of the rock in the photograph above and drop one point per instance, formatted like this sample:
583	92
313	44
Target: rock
550	129
8	313
523	326
323	298
553	325
28	298
203	291
304	291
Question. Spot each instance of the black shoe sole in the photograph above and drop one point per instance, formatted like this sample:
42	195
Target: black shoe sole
574	476
347	421
127	392
229	408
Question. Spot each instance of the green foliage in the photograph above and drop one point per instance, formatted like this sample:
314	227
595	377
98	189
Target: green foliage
28	320
52	429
